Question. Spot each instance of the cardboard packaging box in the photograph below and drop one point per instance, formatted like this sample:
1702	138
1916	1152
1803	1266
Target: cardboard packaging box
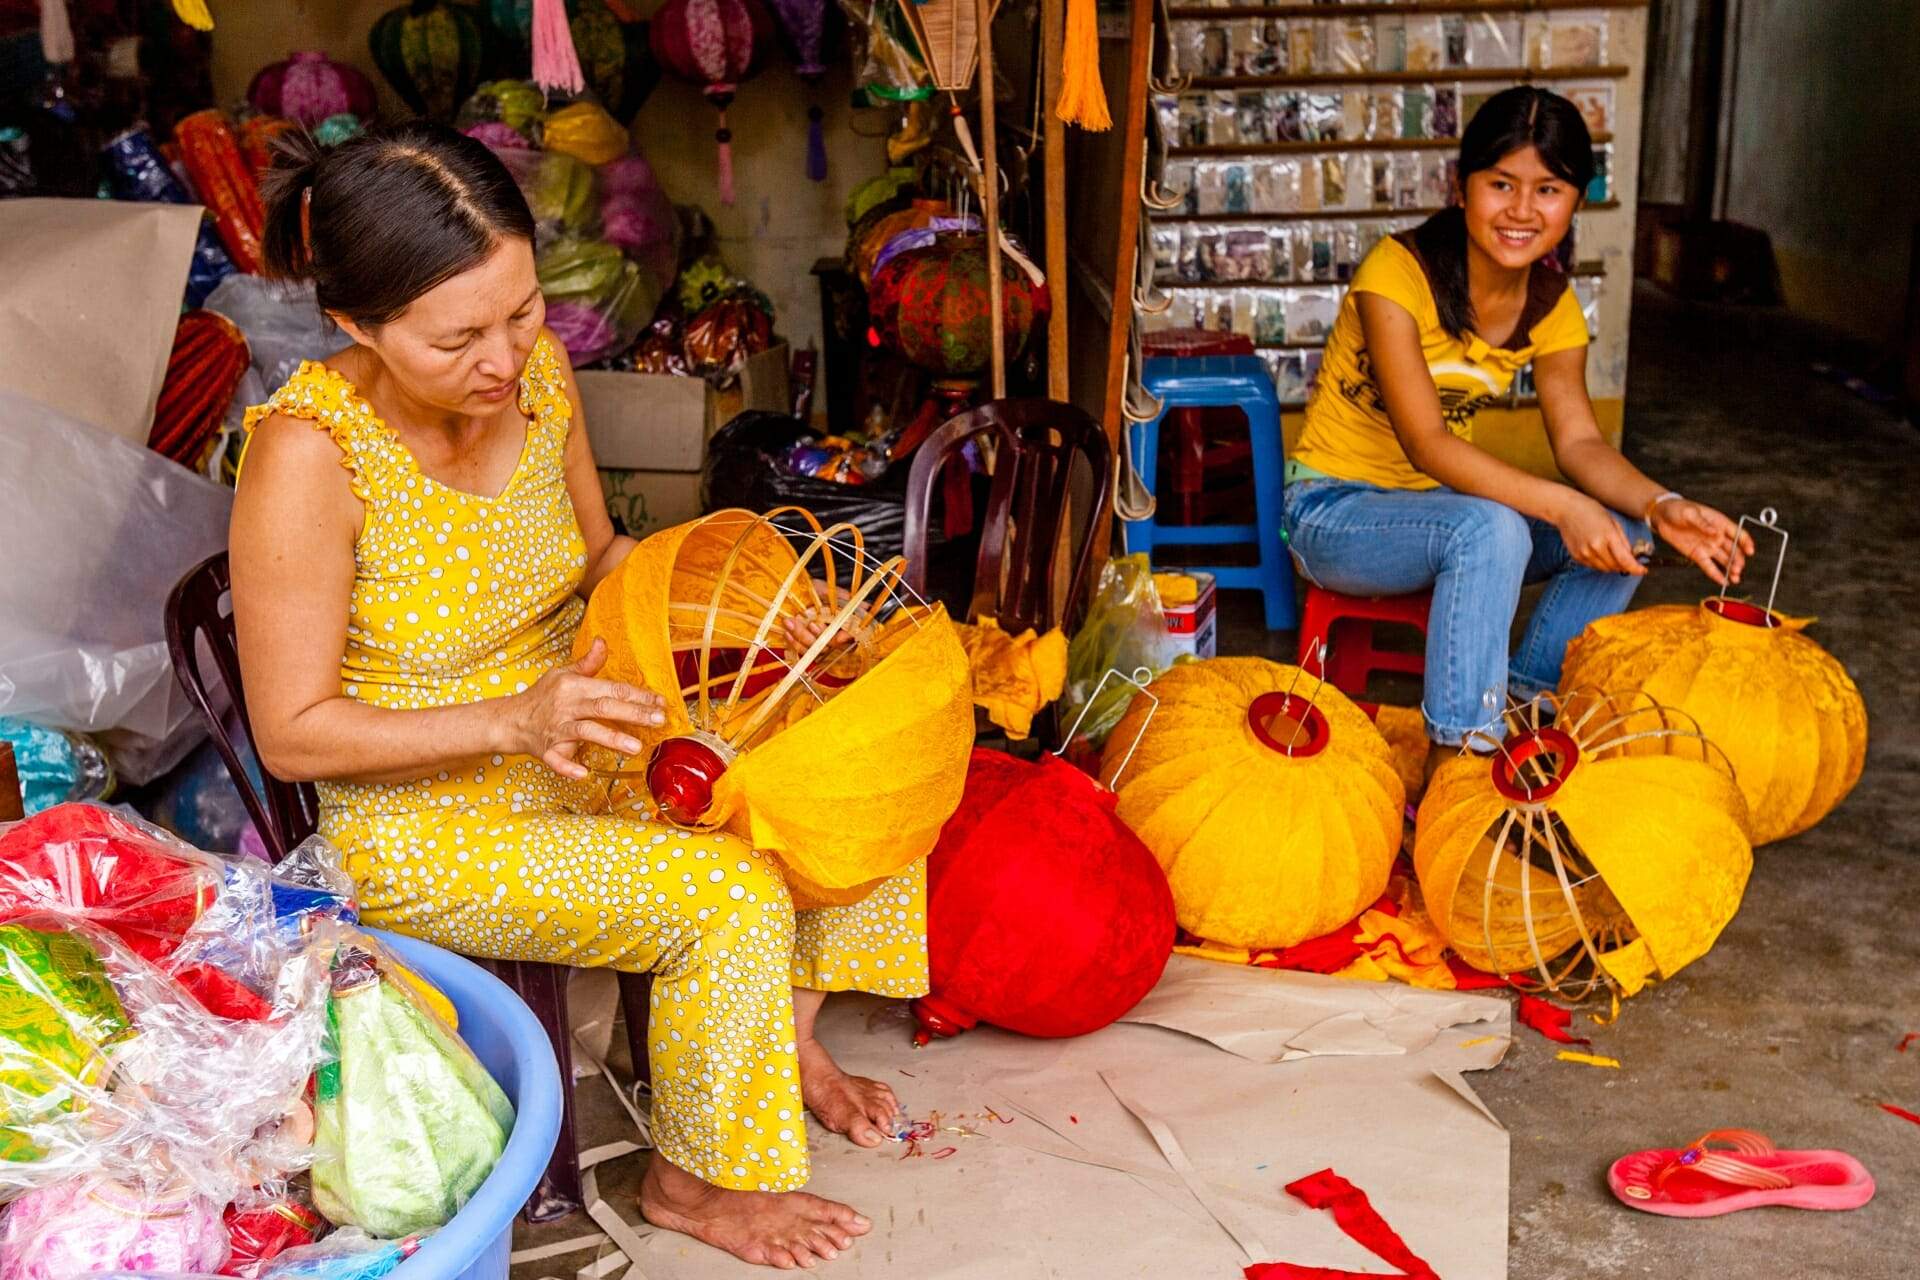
649	434
1195	627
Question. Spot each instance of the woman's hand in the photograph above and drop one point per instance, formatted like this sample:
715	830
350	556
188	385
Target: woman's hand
804	628
568	707
1594	537
1703	536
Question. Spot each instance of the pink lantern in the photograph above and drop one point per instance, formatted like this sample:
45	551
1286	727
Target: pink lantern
309	87
714	44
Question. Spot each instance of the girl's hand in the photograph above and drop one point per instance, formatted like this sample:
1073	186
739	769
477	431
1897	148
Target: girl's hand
804	628
568	706
1703	536
1595	537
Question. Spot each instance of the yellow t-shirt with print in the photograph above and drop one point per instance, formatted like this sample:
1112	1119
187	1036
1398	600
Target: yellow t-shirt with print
1348	435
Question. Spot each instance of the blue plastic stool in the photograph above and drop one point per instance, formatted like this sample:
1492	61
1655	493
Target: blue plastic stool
1240	382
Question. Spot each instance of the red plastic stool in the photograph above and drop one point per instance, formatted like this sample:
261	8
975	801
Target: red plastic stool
1191	447
1345	625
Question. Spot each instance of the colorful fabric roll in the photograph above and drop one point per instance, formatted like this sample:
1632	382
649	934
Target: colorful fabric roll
89	1225
58	1014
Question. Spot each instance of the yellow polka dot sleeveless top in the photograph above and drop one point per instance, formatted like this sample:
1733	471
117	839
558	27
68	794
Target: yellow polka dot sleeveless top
456	597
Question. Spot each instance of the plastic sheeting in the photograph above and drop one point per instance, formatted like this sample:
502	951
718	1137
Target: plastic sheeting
97	533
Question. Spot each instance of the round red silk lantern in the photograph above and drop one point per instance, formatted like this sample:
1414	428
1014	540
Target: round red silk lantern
714	44
1045	913
932	305
309	87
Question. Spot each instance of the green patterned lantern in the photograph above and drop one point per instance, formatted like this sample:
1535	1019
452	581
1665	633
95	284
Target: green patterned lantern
616	57
434	54
58	1015
931	305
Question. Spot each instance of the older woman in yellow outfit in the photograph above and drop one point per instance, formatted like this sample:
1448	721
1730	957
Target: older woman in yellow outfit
417	527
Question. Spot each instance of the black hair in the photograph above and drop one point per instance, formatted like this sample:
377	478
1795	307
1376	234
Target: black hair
382	218
1510	120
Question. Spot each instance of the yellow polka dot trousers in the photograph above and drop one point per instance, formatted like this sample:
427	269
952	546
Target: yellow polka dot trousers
459	598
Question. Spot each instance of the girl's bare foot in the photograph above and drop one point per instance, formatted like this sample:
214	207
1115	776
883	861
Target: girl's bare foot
860	1108
788	1229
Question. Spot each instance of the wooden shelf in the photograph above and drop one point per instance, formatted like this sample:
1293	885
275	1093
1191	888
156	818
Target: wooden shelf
1519	75
1333	215
1324	10
1316	148
1584	270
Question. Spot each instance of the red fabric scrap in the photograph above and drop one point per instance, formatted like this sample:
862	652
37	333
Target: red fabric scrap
1549	1019
1908	1039
1328	953
1902	1112
1354	1214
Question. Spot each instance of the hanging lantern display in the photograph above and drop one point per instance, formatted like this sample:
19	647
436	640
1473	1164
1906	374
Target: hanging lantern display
433	53
805	24
714	44
1787	714
1045	913
309	86
931	305
871	235
616	58
842	759
1268	797
1613	839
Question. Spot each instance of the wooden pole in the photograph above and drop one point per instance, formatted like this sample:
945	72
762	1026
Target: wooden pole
1133	168
1053	39
990	198
11	807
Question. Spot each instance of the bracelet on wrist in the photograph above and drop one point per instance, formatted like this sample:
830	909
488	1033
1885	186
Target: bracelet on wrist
1668	496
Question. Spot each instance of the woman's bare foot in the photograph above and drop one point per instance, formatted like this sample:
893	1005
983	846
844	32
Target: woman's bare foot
788	1229
860	1108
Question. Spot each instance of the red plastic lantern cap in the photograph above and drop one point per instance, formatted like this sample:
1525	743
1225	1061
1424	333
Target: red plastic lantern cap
680	774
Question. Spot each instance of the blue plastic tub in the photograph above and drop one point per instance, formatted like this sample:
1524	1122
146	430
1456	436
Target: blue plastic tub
513	1046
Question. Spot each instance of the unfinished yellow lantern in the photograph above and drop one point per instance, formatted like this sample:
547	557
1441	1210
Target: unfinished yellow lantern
1607	847
843	758
1787	714
1269	798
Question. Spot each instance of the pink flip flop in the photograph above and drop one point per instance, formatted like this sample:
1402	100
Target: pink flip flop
1698	1181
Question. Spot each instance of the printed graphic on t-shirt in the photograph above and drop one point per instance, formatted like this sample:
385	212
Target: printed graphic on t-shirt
1464	390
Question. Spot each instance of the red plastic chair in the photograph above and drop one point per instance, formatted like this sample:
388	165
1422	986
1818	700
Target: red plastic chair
198	610
1345	625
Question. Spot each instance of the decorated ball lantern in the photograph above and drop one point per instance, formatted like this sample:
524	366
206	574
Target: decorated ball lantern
1045	914
842	759
310	87
1268	797
1786	713
615	57
714	44
433	53
931	305
864	245
1602	843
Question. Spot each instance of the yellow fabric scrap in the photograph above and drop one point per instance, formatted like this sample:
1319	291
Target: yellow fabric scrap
194	13
1403	948
1589	1059
1611	1017
1176	589
1014	676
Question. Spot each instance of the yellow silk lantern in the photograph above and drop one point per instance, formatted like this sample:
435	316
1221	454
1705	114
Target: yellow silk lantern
1268	797
842	759
1614	837
1786	713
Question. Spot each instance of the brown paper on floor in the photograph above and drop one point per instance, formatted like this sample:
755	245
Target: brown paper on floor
1075	1188
91	301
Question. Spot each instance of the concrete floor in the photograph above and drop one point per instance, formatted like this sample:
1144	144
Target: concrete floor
1790	1025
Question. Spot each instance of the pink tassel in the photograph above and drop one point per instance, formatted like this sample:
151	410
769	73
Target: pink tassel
556	66
56	32
816	145
725	137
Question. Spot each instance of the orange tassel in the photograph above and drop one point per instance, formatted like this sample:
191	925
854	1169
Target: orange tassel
1083	99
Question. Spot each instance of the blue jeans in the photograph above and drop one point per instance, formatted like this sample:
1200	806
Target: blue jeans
1362	540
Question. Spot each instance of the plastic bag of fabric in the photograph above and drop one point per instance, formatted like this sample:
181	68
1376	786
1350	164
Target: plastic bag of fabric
55	767
746	467
283	325
1125	630
409	1124
92	1224
97	532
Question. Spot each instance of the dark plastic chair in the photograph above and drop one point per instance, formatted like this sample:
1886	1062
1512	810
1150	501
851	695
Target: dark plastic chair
1037	441
198	610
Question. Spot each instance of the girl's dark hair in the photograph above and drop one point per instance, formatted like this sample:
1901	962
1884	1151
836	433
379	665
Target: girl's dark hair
380	219
1508	121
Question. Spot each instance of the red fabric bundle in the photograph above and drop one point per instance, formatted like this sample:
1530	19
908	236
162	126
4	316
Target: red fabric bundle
209	358
1045	913
260	1235
225	184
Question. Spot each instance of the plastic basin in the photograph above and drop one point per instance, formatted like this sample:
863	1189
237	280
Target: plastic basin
513	1046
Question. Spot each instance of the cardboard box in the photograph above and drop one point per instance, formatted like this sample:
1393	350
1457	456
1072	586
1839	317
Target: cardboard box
649	434
1195	627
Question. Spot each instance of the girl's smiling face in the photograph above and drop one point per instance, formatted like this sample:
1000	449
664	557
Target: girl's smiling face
1519	210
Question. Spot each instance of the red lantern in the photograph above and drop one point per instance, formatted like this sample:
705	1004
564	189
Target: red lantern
1045	914
714	44
932	306
309	87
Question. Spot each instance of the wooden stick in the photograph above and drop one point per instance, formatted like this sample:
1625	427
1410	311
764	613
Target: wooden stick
1133	168
990	198
1053	38
11	808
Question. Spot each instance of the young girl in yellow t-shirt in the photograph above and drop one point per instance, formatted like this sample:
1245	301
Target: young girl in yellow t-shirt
1387	493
